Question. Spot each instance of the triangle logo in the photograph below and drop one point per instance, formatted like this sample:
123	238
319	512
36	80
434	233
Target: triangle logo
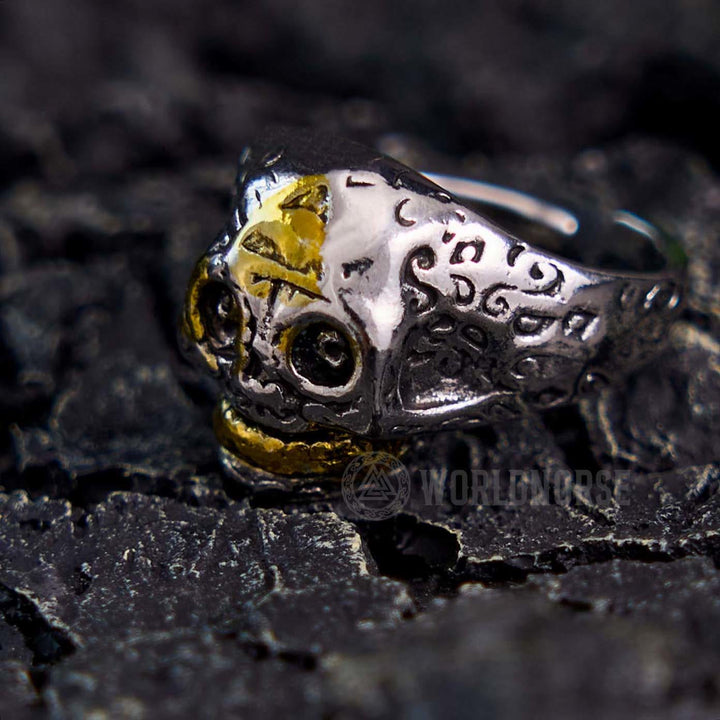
376	487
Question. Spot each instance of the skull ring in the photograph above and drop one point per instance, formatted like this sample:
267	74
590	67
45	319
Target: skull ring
352	301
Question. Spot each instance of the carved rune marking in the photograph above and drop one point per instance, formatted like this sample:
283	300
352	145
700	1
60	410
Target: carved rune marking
464	290
513	253
459	255
405	222
357	183
423	296
358	266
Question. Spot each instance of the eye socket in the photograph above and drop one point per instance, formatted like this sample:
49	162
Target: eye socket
323	355
221	316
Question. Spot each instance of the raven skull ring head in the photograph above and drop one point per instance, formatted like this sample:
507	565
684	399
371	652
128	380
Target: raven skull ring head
351	301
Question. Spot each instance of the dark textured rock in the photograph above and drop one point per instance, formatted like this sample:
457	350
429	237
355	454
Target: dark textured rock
19	697
669	415
508	654
143	572
121	415
136	581
139	564
683	594
182	674
88	337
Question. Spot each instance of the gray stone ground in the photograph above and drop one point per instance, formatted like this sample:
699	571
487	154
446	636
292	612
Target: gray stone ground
136	581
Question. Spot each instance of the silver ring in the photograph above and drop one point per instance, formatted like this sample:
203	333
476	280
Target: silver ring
352	301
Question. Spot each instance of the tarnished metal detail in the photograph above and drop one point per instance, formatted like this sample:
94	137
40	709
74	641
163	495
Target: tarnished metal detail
352	297
303	455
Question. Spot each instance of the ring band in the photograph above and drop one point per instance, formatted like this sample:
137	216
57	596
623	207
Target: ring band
353	300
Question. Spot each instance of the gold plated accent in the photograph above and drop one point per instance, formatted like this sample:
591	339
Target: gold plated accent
318	453
279	247
192	326
277	250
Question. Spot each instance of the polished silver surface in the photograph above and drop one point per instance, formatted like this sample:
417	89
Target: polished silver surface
435	302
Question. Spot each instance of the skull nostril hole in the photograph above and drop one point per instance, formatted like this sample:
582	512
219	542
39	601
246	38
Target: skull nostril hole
323	355
220	314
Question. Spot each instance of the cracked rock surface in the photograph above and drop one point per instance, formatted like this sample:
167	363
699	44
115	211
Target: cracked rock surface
136	581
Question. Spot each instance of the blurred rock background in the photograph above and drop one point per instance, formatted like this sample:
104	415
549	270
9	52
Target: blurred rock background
135	580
